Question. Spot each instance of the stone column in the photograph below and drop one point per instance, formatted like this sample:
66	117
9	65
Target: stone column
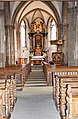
7	31
12	45
64	35
18	41
76	43
72	36
2	40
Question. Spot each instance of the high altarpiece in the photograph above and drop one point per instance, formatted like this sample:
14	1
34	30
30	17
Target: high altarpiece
38	40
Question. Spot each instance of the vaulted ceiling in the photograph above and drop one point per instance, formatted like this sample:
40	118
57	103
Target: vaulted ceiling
33	9
42	0
30	9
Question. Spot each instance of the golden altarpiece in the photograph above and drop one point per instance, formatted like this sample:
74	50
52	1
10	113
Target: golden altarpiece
38	39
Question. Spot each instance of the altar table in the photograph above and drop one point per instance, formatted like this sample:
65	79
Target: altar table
37	60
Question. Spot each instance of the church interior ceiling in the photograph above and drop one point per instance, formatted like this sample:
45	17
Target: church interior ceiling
42	0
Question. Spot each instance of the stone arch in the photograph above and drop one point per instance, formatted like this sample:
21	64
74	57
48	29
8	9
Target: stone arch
48	3
23	7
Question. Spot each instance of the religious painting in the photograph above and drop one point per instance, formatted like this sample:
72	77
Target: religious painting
38	41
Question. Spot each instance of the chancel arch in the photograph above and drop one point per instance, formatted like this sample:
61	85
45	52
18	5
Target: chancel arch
39	32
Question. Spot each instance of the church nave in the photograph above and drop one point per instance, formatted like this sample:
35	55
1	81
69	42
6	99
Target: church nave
35	101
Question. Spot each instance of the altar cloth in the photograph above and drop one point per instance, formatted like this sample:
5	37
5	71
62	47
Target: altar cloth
37	59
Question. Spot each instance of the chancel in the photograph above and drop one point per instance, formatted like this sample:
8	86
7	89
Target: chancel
39	59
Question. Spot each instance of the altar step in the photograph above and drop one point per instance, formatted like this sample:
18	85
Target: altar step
36	77
35	83
37	68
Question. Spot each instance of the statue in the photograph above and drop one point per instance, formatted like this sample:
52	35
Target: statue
38	51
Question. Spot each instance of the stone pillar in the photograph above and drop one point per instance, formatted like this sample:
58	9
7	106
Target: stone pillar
64	35
76	43
12	45
7	31
18	41
2	40
72	36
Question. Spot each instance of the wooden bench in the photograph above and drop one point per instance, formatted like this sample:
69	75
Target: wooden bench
52	73
62	72
1	105
7	88
48	70
65	98
8	83
51	70
47	74
21	73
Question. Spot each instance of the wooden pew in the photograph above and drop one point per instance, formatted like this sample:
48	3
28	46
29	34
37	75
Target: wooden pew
21	73
7	88
8	84
1	105
63	72
51	70
56	71
66	100
48	71
17	70
47	74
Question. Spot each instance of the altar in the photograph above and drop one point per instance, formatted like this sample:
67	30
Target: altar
37	60
38	41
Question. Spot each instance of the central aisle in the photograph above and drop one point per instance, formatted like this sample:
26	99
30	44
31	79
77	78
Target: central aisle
35	101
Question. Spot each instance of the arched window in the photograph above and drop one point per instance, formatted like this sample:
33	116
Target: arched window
53	35
75	3
23	34
53	30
